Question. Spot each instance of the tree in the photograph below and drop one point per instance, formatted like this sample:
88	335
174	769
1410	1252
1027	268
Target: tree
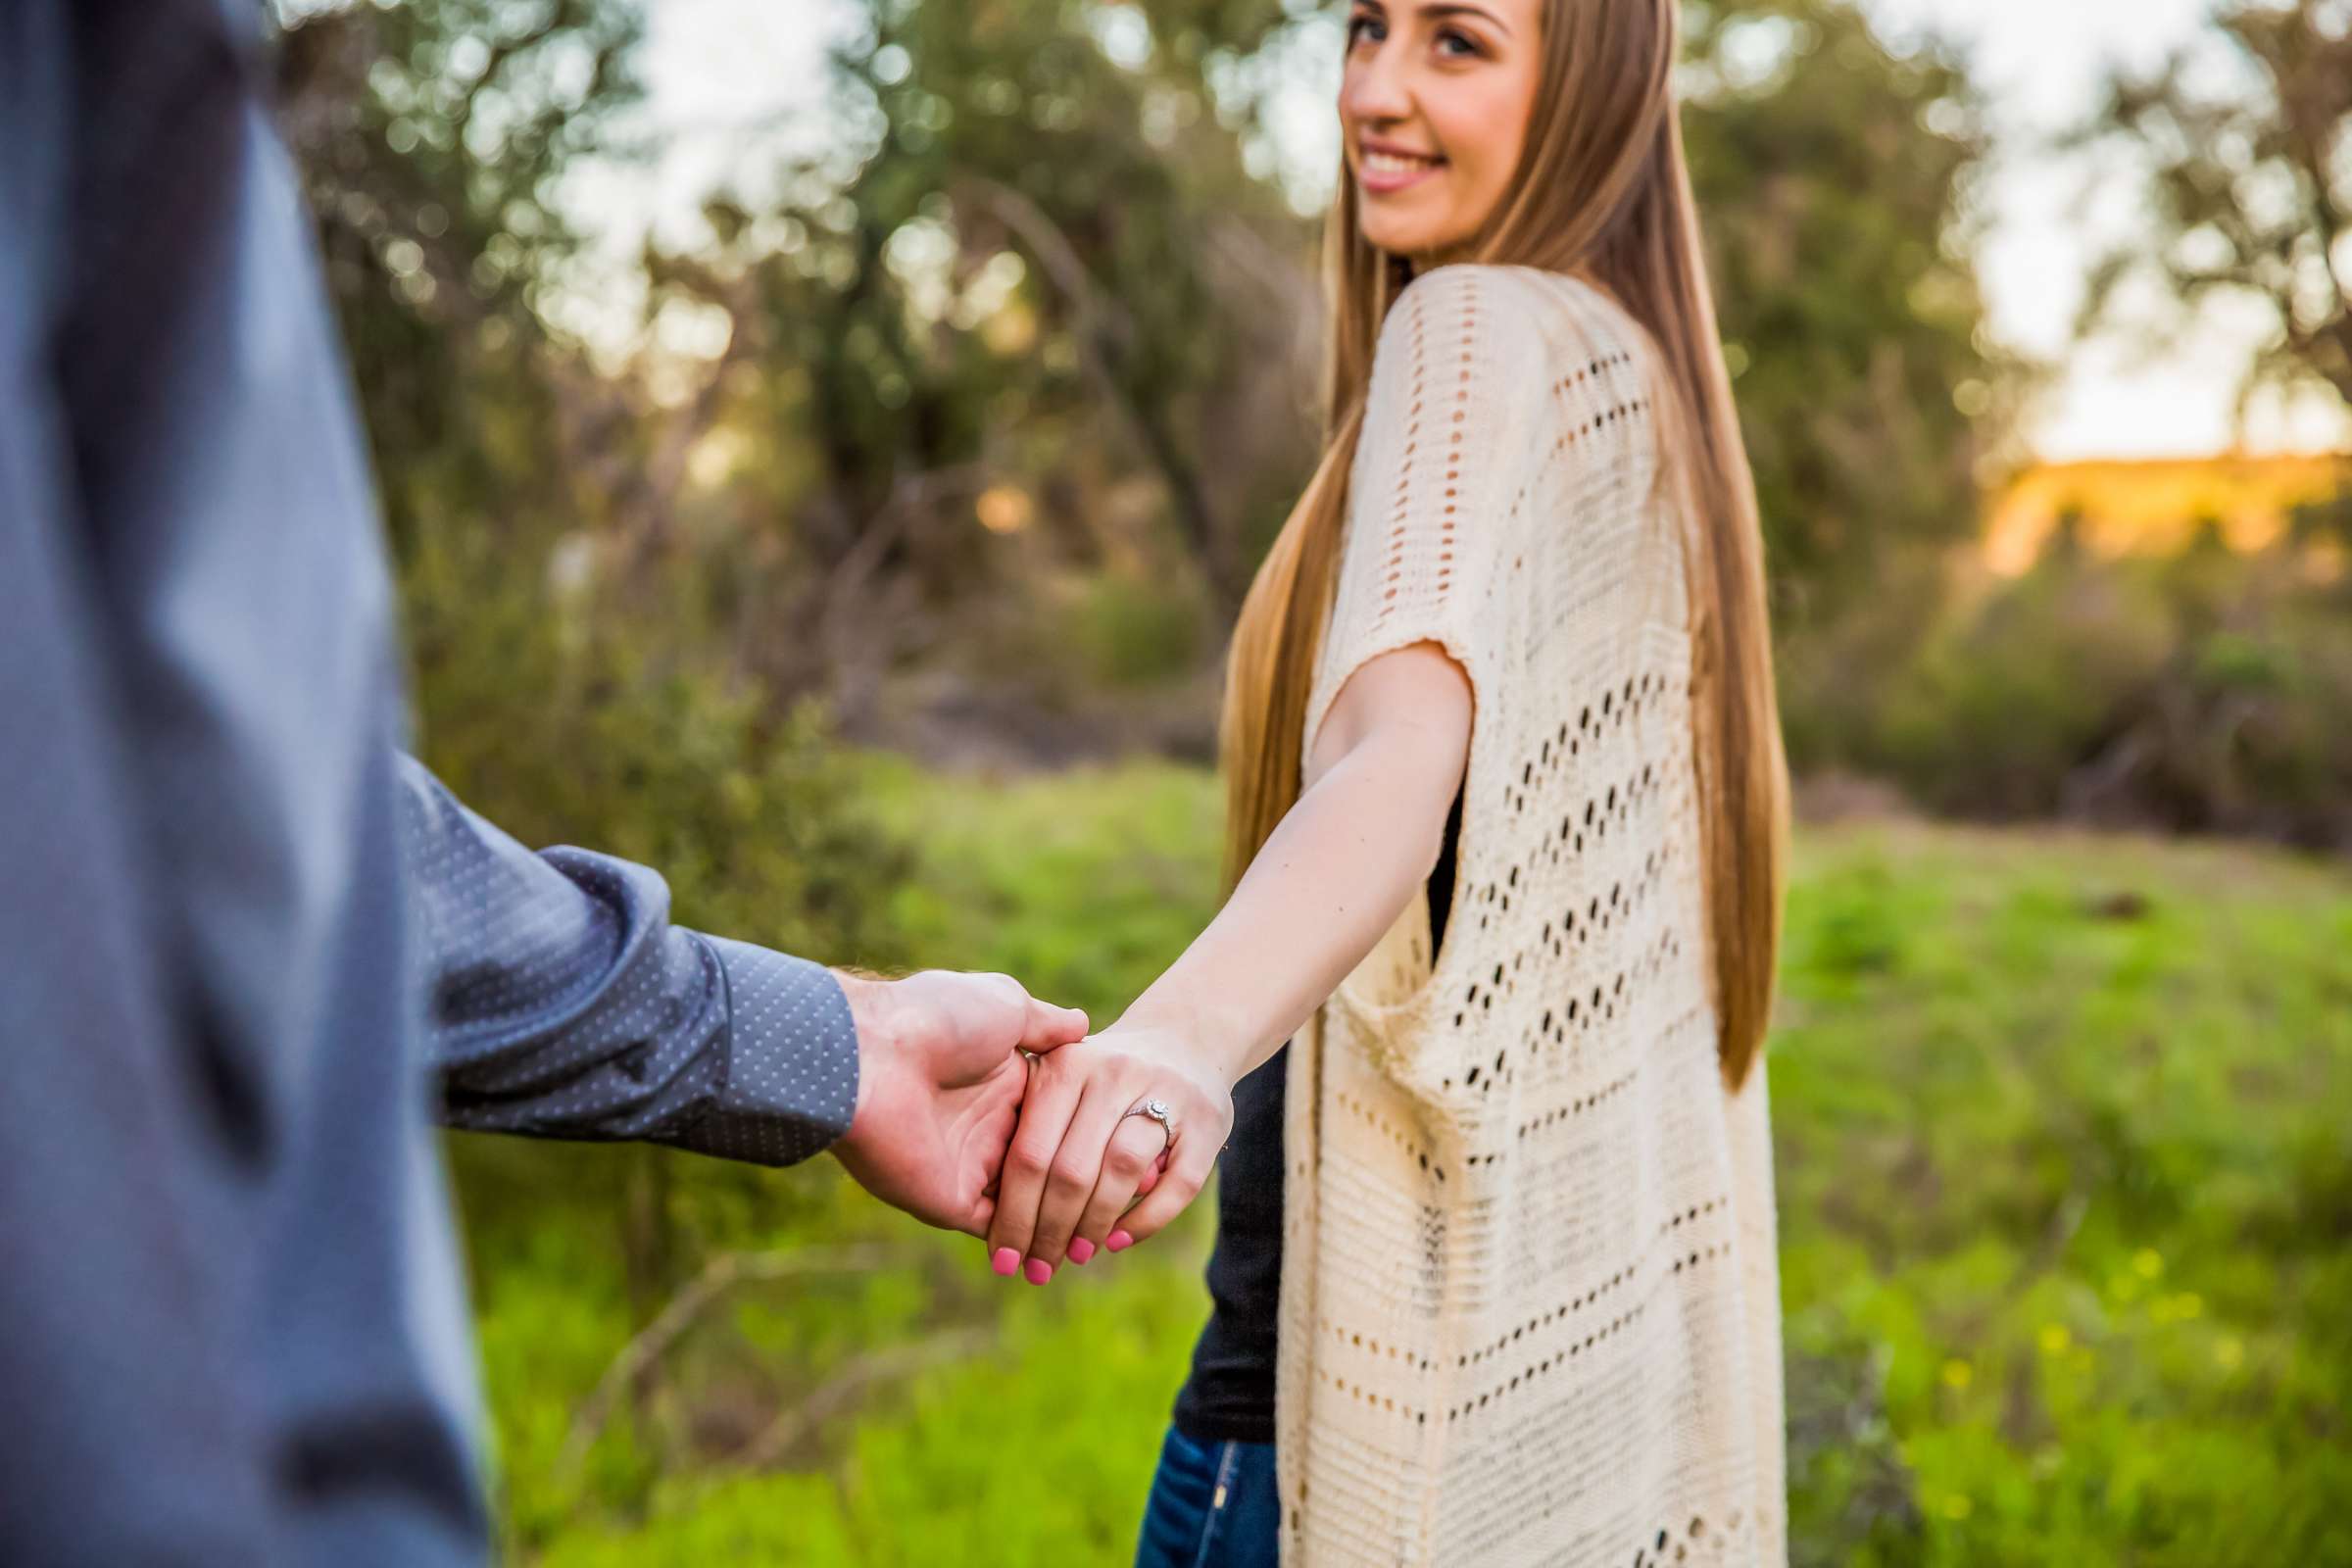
1031	259
432	138
2248	184
1030	280
1165	283
1833	178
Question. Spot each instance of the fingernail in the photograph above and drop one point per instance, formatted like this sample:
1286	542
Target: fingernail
1081	1249
1037	1271
1118	1241
1005	1260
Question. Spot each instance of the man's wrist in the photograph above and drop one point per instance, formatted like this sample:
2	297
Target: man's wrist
870	1002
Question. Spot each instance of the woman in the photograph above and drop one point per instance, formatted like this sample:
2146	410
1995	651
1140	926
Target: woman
1507	806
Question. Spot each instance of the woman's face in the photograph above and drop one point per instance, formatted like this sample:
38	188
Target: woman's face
1434	109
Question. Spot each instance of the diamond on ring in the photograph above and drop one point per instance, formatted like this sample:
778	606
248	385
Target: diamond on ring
1158	1109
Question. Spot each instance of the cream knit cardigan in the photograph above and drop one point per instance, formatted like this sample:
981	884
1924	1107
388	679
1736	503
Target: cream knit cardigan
1530	1306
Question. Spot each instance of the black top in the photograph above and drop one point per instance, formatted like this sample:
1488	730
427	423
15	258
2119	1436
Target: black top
1230	1394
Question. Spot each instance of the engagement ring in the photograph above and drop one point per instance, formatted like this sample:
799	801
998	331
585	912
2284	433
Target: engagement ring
1158	1110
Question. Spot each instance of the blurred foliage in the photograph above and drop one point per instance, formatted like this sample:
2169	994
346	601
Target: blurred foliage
2065	1200
2062	1212
2248	182
556	716
2198	691
970	420
1833	178
2242	151
1033	317
567	702
990	286
432	138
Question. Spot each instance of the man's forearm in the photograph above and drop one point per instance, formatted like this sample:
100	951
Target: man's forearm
564	1003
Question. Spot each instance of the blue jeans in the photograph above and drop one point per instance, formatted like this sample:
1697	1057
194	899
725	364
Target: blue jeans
1212	1505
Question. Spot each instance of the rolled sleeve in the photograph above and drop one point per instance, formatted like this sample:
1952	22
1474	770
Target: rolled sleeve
792	1059
564	1003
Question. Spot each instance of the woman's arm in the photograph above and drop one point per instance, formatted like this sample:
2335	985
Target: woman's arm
1330	882
1338	869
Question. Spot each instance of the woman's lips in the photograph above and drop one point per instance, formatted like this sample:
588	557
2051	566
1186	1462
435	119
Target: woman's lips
1382	173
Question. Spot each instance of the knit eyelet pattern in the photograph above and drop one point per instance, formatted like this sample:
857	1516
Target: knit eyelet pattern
1529	1303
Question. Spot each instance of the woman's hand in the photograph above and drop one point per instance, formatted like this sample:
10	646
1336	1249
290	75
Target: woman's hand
1382	772
1078	1160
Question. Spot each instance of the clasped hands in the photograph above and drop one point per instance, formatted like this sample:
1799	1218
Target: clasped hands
983	1110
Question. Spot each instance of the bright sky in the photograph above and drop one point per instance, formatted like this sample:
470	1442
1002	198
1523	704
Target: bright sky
2040	62
718	66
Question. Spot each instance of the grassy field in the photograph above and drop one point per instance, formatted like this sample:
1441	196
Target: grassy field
2065	1193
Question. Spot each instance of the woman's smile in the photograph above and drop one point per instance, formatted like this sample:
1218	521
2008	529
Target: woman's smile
1384	169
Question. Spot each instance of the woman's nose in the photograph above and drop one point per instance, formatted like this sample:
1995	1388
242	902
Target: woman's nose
1374	88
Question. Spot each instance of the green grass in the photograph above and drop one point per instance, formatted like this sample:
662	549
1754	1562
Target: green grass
1083	884
2065	1193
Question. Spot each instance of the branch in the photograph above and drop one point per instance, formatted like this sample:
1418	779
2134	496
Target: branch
1104	330
2307	71
501	52
721	1274
2334	337
770	1446
860	631
651	492
1052	250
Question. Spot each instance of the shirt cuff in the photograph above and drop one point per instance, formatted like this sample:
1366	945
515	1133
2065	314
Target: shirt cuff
792	1060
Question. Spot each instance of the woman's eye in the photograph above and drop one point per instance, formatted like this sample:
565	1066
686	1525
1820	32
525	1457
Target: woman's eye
1457	45
1360	28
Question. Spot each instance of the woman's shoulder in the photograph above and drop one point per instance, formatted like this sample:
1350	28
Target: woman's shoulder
1524	317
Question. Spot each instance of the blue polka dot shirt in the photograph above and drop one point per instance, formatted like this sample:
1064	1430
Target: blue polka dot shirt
564	1002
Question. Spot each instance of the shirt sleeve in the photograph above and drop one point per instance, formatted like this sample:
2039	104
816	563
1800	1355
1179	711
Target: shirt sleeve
563	1004
1437	463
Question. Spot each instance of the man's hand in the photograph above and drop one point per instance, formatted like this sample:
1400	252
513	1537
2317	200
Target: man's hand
939	1080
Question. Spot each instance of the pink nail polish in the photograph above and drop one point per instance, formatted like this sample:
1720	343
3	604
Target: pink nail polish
1081	1249
1005	1260
1037	1271
1118	1242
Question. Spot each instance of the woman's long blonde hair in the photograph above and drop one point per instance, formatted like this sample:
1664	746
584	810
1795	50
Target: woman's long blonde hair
1601	192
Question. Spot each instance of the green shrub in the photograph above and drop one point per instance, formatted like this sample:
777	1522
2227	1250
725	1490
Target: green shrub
1132	630
572	715
2205	692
